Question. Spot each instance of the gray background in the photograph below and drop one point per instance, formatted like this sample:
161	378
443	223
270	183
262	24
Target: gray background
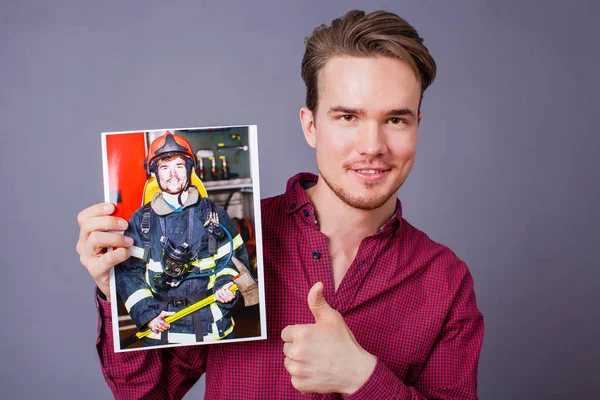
506	173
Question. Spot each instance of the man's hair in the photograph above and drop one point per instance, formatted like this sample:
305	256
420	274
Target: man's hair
357	34
170	158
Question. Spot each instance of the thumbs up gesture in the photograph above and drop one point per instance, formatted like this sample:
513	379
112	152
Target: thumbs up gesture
324	357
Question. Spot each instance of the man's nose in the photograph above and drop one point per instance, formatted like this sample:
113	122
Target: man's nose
371	139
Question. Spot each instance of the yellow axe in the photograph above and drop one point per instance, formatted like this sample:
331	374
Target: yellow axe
244	282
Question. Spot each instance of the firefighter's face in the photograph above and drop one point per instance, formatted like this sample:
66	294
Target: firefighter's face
172	175
365	128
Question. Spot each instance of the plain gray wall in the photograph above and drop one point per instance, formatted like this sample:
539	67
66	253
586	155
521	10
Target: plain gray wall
506	173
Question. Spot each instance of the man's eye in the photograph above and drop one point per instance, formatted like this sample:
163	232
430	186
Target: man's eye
396	121
348	117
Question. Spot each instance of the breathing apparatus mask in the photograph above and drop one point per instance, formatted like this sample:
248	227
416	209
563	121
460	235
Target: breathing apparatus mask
176	262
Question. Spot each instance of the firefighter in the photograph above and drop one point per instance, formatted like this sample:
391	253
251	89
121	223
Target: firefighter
183	249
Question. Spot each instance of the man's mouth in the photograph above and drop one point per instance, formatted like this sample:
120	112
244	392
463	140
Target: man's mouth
370	174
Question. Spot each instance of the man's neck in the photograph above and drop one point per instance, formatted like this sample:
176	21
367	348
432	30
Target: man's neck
345	226
338	220
173	199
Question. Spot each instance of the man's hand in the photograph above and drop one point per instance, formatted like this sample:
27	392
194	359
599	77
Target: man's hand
224	295
324	357
95	224
158	324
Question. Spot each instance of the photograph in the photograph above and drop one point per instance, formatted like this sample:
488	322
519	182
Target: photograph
191	198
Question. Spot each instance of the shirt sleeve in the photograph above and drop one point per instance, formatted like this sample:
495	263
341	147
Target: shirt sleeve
451	369
150	373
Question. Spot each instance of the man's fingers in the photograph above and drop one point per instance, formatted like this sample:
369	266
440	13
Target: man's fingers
297	368
95	211
98	241
291	366
224	295
117	256
290	351
99	267
293	332
164	314
102	224
228	295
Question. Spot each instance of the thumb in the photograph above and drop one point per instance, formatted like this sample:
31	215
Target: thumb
317	304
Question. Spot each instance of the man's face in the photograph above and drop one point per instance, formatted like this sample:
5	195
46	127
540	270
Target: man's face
365	128
172	175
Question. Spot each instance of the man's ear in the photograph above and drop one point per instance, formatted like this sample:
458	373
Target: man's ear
419	119
308	126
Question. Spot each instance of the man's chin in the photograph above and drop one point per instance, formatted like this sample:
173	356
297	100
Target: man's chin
366	203
369	197
171	191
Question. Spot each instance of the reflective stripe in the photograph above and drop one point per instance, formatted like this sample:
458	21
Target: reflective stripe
212	279
183	338
137	252
186	338
215	333
228	331
216	312
205	263
153	335
225	249
147	277
227	271
155	266
211	337
137	296
209	262
190	338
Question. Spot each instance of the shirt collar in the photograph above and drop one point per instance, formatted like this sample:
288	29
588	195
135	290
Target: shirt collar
296	198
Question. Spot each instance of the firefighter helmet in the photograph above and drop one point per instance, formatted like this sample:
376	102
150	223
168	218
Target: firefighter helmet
170	145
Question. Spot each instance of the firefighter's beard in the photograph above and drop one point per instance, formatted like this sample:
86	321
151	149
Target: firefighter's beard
173	185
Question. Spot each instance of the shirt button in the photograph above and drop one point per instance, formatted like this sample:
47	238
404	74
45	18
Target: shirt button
305	212
292	206
316	255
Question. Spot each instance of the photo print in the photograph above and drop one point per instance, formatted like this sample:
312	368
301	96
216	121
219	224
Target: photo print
194	275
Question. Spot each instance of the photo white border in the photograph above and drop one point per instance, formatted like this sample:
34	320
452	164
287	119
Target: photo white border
254	174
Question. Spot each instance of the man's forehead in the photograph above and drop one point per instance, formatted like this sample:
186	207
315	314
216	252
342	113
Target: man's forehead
176	160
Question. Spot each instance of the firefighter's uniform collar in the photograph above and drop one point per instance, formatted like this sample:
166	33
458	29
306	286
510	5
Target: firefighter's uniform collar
160	206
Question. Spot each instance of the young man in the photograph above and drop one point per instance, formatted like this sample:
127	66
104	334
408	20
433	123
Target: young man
173	267
366	305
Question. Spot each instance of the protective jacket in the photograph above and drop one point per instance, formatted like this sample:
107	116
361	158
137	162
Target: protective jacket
136	283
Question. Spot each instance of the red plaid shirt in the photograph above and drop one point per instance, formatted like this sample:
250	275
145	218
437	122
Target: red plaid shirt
408	300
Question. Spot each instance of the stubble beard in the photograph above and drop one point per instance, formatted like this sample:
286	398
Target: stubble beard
366	203
180	189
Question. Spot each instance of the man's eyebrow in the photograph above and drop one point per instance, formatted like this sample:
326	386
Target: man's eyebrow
361	111
346	110
399	112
